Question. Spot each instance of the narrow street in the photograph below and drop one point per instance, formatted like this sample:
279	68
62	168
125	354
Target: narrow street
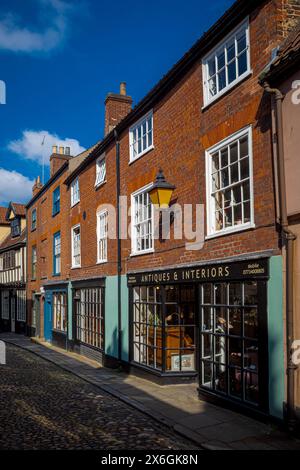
44	407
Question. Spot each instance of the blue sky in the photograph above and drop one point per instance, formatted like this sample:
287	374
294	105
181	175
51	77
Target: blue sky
59	58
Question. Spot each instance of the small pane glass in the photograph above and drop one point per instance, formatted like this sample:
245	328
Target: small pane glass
235	321
242	63
207	319
235	382
220	378
250	293
221	79
251	355
251	322
235	352
251	387
235	293
207	374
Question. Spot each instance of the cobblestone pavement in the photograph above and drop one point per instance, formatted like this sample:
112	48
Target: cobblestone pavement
44	407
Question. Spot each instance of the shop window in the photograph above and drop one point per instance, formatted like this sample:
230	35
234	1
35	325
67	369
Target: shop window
21	305
89	308
164	328
60	311
229	339
229	185
5	304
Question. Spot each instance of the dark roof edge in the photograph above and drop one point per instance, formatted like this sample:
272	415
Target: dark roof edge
278	72
11	247
237	12
48	184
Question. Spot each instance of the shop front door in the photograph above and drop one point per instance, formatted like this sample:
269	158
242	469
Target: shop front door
232	354
48	317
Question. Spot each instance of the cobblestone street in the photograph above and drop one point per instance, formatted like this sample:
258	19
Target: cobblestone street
44	407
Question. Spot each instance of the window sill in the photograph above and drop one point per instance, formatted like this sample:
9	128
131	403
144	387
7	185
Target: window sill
33	230
56	213
139	253
223	233
141	155
75	204
97	186
227	90
102	262
76	267
56	275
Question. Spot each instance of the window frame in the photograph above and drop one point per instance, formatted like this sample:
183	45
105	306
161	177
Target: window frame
134	251
34	262
136	125
56	256
56	201
211	232
33	219
15	227
207	100
77	192
75	266
102	213
101	159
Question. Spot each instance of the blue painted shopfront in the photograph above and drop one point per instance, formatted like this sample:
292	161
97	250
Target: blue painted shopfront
48	310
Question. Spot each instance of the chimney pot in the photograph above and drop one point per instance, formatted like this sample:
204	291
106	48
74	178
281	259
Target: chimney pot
54	148
61	150
123	88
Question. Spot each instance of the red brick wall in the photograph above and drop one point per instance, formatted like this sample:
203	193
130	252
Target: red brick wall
42	238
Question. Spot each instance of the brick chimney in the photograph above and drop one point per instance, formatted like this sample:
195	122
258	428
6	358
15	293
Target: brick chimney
117	106
37	186
59	156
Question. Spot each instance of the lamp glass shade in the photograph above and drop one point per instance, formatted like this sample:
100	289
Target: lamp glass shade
161	197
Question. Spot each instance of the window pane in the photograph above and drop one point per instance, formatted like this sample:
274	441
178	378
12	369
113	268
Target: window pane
235	352
230	51
211	67
251	322
241	42
235	382
231	72
242	63
251	355
251	387
235	321
221	60
207	374
235	294
224	157
222	79
250	293
220	378
244	165
221	319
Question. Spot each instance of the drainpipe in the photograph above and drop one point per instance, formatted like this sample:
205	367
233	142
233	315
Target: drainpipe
289	238
119	262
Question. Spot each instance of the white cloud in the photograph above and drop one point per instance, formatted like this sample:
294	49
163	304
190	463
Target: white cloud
30	145
14	37
14	187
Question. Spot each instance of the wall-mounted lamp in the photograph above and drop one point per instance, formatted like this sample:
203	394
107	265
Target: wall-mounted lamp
161	192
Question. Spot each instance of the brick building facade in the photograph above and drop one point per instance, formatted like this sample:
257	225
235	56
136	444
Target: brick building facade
214	313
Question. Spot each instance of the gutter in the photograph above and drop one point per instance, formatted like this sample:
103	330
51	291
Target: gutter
119	260
288	237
